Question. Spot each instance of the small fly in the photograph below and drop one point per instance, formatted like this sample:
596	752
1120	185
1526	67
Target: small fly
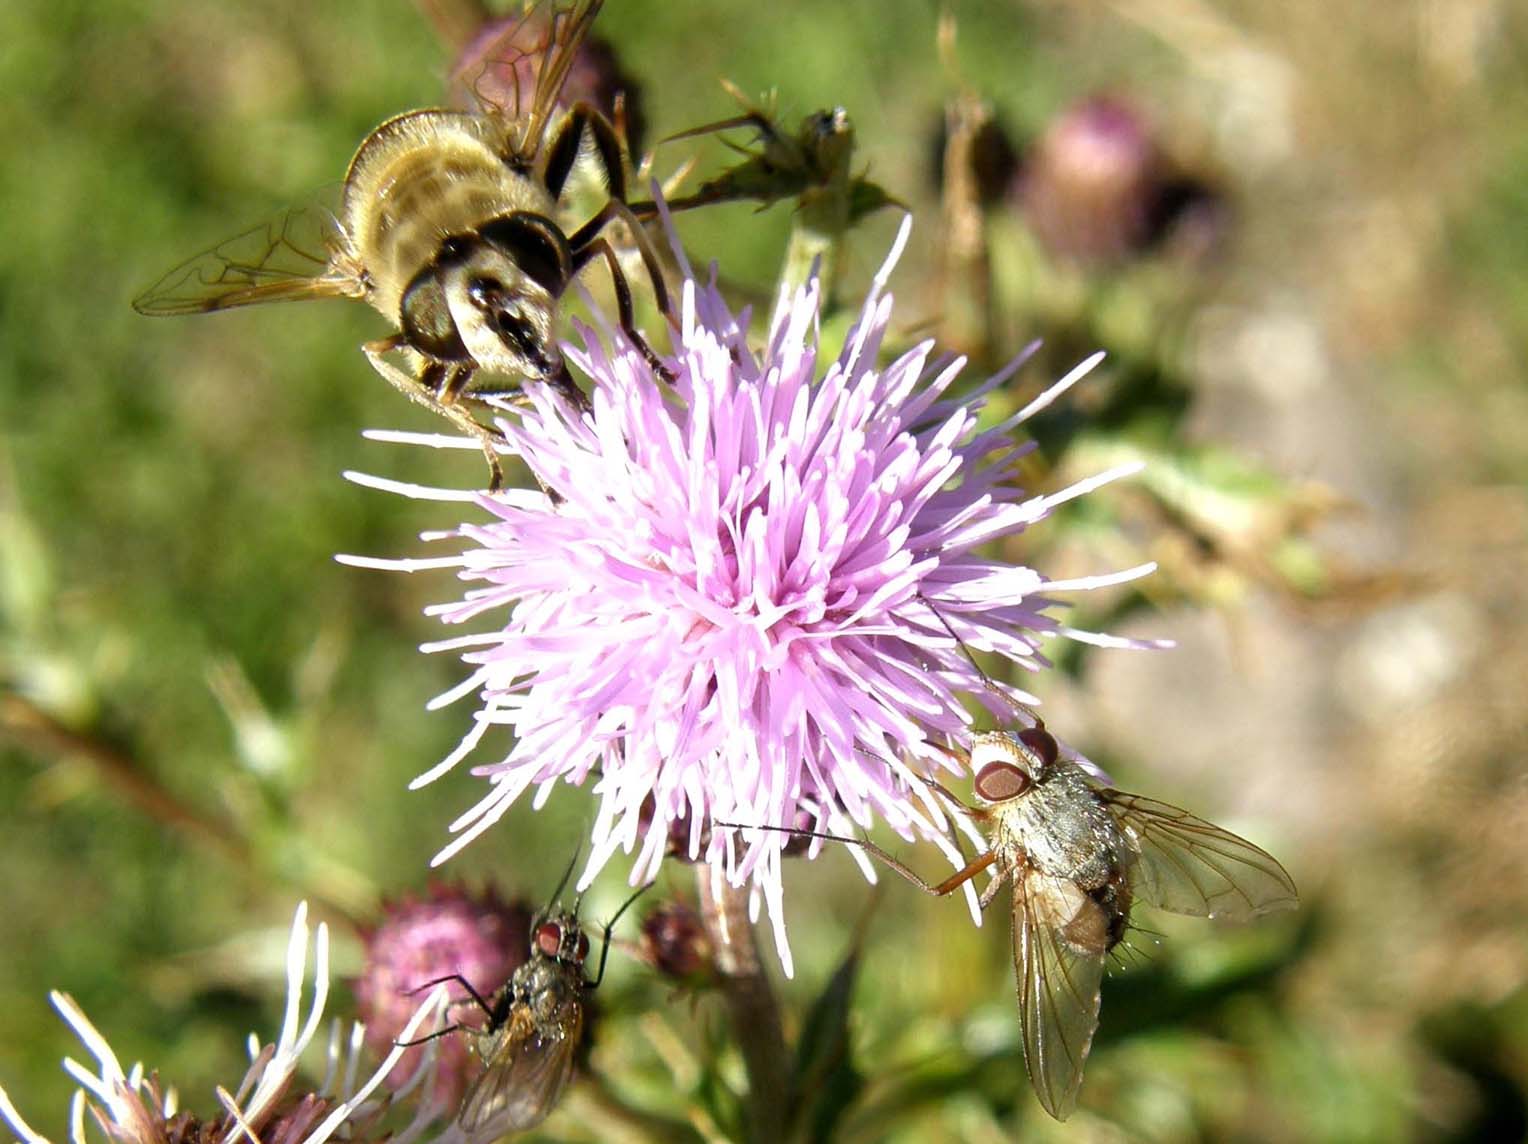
1076	856
535	1025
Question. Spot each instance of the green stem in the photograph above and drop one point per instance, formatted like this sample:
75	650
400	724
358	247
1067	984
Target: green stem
824	209
751	1005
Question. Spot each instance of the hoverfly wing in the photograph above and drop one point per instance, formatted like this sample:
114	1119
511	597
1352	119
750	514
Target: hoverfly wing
1059	946
523	1082
508	66
1186	865
299	254
569	29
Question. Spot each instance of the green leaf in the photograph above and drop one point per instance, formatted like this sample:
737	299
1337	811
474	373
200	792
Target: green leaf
826	1081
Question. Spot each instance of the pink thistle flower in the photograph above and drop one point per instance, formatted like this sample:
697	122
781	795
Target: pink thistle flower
734	609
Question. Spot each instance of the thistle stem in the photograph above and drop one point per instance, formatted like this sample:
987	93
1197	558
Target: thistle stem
751	1004
23	722
824	208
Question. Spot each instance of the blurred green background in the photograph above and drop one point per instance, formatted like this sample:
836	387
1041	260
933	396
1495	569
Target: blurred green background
207	719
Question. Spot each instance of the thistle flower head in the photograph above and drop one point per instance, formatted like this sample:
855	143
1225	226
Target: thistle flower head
737	605
130	1106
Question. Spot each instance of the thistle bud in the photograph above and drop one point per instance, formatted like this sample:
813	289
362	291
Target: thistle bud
448	932
1089	185
674	942
1097	188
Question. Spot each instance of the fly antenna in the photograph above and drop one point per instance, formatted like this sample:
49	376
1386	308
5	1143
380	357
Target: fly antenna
563	882
991	685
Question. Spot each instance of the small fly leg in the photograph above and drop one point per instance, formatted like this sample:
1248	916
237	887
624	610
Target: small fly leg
496	1010
935	889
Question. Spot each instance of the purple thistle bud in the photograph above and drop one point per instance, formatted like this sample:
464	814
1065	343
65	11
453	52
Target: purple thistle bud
477	936
1090	184
674	942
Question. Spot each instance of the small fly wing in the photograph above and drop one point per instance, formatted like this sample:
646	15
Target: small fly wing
525	1079
1189	866
301	253
1058	983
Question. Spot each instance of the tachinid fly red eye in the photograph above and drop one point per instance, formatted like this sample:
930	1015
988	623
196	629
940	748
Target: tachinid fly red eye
1001	782
549	938
1041	743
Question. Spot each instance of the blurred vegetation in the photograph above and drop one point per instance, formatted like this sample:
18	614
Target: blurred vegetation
204	718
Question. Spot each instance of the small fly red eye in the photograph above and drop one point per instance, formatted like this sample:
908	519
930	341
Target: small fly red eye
1000	782
583	947
549	938
1041	743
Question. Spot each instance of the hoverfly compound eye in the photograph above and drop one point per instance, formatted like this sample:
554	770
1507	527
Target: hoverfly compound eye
549	938
1040	743
1001	782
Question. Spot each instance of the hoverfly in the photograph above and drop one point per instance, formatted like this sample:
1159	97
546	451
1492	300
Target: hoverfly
447	225
1076	856
535	1024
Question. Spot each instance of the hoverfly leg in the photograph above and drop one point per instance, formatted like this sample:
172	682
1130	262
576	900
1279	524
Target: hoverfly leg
607	148
612	156
601	246
586	242
450	388
586	235
424	390
448	380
